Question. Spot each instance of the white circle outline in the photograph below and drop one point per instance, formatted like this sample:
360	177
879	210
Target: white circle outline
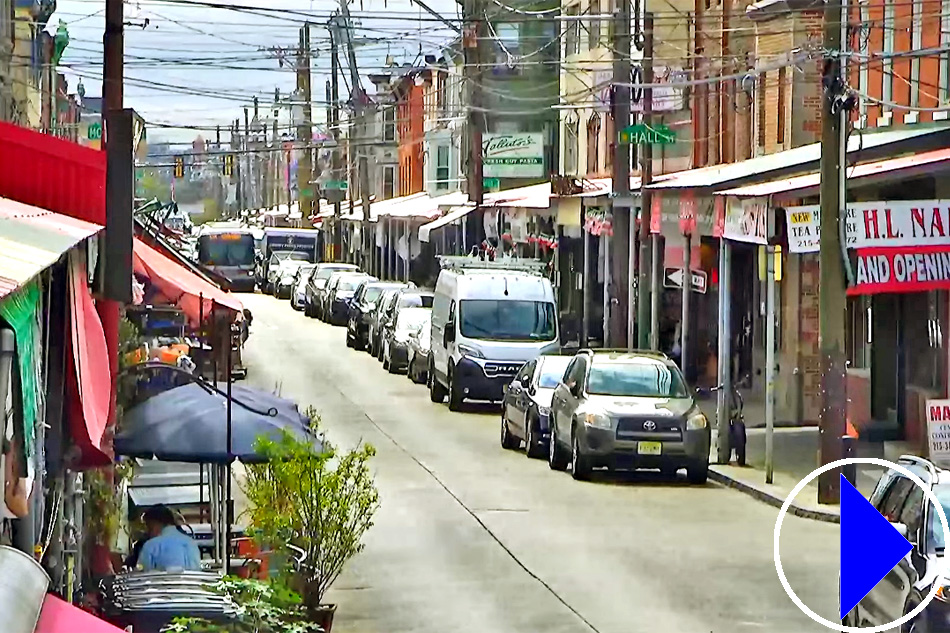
836	626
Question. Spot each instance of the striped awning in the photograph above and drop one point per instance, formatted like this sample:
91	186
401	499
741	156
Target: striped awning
33	239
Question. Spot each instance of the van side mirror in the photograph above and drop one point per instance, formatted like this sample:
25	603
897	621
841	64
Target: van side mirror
449	335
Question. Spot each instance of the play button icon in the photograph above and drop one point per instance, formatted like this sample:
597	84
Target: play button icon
870	547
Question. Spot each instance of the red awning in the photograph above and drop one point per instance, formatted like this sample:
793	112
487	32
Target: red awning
89	386
58	616
179	285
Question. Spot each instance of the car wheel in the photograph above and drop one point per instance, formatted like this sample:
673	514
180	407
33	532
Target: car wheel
580	467
508	441
920	624
697	473
532	448
436	390
349	341
385	357
455	395
393	368
557	460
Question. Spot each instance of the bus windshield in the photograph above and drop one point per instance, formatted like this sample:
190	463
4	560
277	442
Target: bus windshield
226	249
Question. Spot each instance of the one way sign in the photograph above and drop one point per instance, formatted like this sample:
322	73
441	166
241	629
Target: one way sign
673	278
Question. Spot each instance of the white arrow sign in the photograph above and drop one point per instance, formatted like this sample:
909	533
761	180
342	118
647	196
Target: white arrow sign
673	278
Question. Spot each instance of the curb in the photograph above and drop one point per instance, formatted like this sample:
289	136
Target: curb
771	499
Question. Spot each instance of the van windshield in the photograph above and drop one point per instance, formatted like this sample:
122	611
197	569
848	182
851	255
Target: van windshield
507	320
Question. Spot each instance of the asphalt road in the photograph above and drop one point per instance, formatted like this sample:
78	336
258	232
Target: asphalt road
473	538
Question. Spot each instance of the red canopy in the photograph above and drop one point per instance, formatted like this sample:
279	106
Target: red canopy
179	285
58	616
90	384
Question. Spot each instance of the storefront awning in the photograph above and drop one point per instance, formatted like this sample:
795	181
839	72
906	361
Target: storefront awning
58	616
453	215
530	197
799	159
179	285
33	239
808	184
89	385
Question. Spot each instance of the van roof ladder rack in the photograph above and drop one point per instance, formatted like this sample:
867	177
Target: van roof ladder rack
463	262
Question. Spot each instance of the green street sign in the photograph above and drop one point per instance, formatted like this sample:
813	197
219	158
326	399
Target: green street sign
94	132
306	193
491	183
643	134
339	185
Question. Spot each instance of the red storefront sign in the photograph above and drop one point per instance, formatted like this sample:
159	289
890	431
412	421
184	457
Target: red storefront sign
901	269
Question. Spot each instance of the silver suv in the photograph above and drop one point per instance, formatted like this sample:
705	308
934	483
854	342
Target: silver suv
620	409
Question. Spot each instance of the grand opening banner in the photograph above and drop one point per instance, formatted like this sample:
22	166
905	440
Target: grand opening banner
901	269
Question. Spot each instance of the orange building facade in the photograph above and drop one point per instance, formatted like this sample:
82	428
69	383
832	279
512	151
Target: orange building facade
410	127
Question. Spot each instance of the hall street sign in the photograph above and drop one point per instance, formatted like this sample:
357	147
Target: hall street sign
643	134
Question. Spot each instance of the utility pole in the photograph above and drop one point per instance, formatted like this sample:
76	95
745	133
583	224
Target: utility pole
647	280
359	138
336	165
472	43
304	127
621	246
248	174
237	145
832	304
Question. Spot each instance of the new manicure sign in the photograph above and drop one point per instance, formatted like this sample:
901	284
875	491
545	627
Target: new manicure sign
900	246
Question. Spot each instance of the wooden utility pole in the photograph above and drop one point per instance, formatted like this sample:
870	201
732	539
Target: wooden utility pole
305	126
832	302
646	283
623	215
472	39
336	166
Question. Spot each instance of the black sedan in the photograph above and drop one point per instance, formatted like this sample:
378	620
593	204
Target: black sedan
526	407
411	297
417	367
337	306
362	308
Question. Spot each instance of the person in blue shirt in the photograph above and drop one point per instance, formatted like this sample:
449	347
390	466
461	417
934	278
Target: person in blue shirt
168	548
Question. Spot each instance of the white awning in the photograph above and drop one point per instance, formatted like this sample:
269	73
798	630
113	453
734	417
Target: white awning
454	214
530	197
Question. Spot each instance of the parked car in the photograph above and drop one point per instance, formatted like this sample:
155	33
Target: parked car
286	276
297	295
324	293
396	336
904	504
385	300
318	281
526	407
406	298
417	366
275	268
627	410
487	322
362	308
337	305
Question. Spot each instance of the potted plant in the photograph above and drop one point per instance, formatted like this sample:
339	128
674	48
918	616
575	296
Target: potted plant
260	607
316	506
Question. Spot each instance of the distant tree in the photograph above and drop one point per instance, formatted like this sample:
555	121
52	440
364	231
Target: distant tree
152	185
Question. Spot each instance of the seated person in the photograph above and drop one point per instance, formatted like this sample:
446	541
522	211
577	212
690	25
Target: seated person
168	548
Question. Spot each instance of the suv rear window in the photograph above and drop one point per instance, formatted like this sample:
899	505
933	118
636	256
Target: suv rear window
636	379
414	300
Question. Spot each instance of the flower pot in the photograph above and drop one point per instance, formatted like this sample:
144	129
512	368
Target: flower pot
323	615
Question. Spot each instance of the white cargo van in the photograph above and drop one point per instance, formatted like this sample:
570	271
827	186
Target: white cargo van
488	319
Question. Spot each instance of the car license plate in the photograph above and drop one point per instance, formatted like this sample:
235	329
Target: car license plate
649	448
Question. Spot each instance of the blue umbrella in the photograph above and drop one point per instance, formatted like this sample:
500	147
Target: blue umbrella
190	424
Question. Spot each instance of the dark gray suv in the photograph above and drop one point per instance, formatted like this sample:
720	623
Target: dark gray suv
620	409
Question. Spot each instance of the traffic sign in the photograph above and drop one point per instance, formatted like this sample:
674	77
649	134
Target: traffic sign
673	278
336	184
870	547
491	183
94	131
643	134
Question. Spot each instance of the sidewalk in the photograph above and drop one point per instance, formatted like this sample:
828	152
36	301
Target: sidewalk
795	456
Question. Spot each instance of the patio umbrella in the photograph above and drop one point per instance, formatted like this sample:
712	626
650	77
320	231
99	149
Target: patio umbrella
190	424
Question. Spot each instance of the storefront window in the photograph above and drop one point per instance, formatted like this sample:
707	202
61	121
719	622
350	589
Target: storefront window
925	315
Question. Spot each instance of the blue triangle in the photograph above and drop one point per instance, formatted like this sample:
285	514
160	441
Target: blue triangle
870	547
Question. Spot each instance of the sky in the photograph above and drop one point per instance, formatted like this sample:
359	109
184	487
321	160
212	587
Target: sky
191	67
